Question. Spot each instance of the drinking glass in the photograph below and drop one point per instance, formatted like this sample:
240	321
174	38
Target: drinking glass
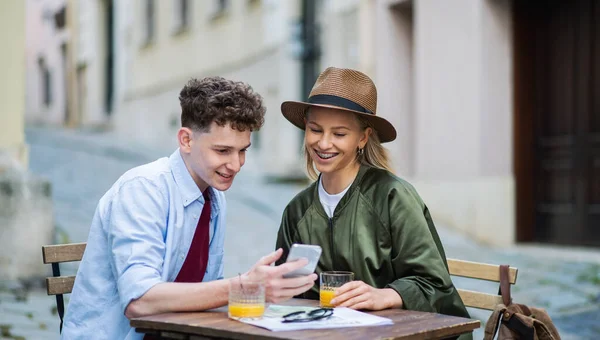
246	299
330	281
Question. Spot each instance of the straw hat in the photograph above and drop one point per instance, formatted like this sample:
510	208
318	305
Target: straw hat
342	89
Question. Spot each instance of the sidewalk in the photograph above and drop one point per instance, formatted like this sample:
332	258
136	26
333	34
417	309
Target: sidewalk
83	165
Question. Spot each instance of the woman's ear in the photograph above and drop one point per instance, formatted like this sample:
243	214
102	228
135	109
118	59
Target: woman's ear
184	138
365	137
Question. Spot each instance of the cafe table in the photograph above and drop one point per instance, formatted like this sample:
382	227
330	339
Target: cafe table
214	324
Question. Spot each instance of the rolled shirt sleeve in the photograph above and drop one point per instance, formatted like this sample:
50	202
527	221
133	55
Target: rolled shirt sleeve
136	231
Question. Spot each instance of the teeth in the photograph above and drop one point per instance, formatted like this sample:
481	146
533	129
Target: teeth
326	155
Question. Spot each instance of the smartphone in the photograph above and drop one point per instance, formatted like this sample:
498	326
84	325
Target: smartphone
310	252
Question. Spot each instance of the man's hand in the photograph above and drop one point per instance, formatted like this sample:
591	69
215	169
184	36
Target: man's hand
359	295
279	289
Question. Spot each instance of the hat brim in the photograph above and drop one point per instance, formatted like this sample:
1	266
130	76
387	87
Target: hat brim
295	112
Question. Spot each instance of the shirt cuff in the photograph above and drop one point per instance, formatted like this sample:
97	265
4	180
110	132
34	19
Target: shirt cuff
135	282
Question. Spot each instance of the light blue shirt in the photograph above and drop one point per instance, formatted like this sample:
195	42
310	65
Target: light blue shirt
140	235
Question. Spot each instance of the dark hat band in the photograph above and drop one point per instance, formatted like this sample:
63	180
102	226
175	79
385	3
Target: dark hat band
328	99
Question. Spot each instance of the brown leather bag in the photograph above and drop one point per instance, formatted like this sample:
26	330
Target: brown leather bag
518	322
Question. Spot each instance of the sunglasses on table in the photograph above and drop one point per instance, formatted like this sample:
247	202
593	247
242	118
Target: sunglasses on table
313	315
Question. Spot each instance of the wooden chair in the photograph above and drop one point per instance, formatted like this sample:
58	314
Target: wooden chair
57	284
482	271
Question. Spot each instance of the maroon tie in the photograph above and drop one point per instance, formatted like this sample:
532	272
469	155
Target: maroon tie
194	266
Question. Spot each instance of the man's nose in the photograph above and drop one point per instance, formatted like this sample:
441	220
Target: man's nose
234	163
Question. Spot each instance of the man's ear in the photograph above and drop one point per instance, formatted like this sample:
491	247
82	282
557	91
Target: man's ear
184	137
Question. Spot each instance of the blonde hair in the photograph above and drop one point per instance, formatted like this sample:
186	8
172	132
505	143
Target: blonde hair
374	154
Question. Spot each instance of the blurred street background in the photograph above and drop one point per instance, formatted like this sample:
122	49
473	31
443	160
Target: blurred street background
495	102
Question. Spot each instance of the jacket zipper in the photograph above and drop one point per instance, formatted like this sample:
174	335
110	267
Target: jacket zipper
331	240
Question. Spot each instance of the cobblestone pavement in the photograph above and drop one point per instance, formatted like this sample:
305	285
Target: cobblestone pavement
82	165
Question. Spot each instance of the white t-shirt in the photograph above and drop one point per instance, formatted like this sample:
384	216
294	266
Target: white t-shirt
328	201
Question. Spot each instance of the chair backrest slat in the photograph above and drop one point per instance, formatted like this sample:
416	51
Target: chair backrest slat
479	300
482	271
59	285
59	253
63	252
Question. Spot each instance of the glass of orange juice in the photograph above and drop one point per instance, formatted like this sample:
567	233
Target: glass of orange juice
330	281
246	299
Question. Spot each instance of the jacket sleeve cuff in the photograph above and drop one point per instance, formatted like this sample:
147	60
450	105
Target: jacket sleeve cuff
412	296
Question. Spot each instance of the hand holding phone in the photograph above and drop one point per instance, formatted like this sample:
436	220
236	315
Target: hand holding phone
310	252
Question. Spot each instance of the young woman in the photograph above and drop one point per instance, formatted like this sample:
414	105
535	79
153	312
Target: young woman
366	219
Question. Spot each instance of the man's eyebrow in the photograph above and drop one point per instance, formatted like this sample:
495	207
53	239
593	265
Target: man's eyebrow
228	147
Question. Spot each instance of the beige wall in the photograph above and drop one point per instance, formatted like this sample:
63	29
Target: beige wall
247	43
43	41
91	61
12	81
445	82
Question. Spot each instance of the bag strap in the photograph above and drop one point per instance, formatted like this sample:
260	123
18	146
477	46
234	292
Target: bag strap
504	289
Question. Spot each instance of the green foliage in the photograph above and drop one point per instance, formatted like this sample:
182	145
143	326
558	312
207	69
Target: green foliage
61	235
591	274
5	330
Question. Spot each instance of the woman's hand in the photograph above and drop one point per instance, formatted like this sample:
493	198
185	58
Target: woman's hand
359	295
278	288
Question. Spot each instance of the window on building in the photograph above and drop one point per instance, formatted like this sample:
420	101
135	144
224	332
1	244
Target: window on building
149	18
46	81
219	8
181	11
222	5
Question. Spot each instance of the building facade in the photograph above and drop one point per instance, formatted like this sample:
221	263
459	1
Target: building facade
169	42
68	58
495	104
498	127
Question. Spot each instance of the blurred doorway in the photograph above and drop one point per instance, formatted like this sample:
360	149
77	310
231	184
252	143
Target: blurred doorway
557	121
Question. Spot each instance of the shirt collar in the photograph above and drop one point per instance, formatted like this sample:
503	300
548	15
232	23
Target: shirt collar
188	188
348	191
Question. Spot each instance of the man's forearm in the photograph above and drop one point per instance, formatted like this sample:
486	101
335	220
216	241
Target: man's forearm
179	297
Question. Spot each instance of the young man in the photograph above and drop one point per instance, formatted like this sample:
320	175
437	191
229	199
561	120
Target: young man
156	240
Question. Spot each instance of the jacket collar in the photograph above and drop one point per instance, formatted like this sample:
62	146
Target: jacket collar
347	196
188	188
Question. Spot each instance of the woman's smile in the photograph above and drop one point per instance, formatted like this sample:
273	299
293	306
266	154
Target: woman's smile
325	155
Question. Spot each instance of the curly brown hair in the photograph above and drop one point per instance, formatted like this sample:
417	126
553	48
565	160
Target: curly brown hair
219	100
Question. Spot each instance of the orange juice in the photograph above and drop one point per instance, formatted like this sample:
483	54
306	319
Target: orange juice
250	310
326	296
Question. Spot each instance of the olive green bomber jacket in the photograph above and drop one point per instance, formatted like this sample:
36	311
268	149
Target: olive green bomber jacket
382	231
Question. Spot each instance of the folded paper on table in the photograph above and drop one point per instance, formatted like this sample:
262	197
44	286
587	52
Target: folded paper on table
342	317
